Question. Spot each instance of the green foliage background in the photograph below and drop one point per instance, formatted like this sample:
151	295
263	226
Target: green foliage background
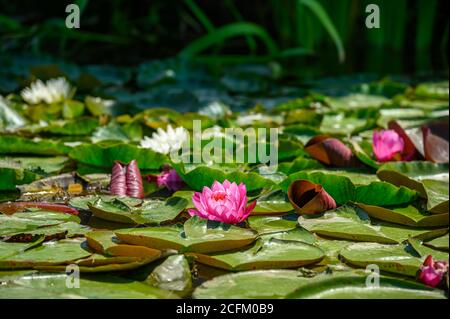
311	34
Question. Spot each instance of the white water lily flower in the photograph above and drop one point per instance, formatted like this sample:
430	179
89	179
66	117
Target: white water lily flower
166	141
54	90
215	110
249	119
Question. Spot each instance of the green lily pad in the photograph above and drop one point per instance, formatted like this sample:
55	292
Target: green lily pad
36	164
255	284
197	235
106	243
428	179
104	154
272	203
10	144
384	194
38	222
265	254
173	274
350	286
60	231
72	127
299	164
11	177
401	233
199	176
408	215
98	286
273	224
440	243
50	253
148	213
424	251
339	187
391	258
98	263
11	249
346	223
83	202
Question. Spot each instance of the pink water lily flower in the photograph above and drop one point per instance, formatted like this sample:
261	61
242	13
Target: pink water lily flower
170	179
432	272
226	202
387	145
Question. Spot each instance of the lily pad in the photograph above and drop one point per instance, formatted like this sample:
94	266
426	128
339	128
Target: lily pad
103	154
83	202
265	254
11	177
391	258
10	144
340	188
346	223
428	179
173	274
440	243
408	215
199	176
36	164
150	212
25	226
273	224
254	284
98	286
384	194
274	202
350	286
50	253
197	235
106	243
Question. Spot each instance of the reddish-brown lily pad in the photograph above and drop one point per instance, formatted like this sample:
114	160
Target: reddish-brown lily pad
429	142
309	198
331	151
435	147
13	207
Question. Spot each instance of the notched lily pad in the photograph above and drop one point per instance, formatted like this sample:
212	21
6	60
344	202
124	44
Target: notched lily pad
150	212
255	284
265	254
197	235
350	286
406	215
106	243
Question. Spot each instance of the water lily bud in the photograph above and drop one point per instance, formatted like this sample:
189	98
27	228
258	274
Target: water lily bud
309	198
169	178
387	145
432	272
331	151
118	185
134	181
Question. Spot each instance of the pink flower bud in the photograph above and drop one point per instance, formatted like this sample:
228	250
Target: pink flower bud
134	180
126	180
387	145
170	179
118	184
431	272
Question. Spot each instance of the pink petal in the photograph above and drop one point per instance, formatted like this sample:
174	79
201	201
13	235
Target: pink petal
386	144
118	184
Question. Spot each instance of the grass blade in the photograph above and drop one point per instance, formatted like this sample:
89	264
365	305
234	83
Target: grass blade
323	17
228	31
